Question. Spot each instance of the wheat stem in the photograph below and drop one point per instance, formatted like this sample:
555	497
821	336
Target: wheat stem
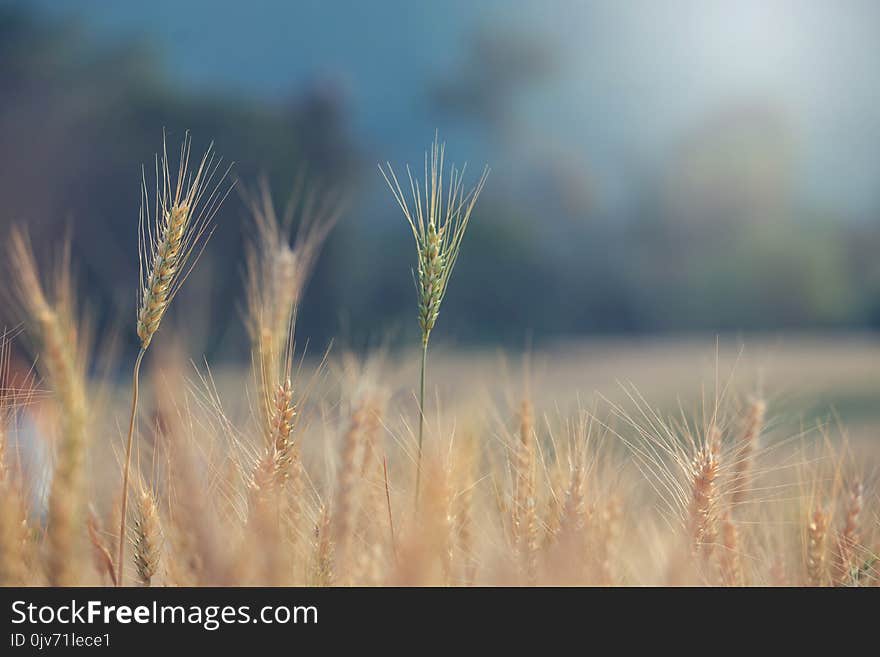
388	502
438	216
816	530
125	473
421	413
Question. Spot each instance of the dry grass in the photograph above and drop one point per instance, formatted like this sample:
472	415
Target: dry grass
302	472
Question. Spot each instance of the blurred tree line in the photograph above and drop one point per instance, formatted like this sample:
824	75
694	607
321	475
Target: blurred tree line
78	121
712	241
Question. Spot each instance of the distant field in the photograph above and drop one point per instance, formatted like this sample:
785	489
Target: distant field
804	378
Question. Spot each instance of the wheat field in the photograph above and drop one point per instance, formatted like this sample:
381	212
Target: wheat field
719	465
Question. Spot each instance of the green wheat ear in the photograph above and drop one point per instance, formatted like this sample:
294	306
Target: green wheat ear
438	218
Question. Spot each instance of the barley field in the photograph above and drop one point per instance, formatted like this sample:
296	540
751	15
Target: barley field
717	461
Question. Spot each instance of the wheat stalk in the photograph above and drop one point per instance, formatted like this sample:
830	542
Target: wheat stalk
748	442
63	349
171	238
388	506
13	526
608	540
103	558
571	515
704	493
466	461
13	515
363	422
293	489
525	521
277	268
848	539
323	571
438	223
817	529
731	568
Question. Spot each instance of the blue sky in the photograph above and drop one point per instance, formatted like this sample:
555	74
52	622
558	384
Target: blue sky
635	76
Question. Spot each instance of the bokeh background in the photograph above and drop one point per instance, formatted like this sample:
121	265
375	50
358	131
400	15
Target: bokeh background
659	167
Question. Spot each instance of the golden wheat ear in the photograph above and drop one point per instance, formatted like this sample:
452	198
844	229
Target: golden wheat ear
171	239
173	235
147	536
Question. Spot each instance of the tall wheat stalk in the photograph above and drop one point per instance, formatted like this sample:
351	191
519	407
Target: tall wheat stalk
704	496
147	537
14	528
278	265
171	238
525	522
438	222
848	538
746	447
817	528
60	337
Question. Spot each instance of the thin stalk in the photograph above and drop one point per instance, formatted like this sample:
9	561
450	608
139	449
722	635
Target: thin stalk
125	473
421	415
388	501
